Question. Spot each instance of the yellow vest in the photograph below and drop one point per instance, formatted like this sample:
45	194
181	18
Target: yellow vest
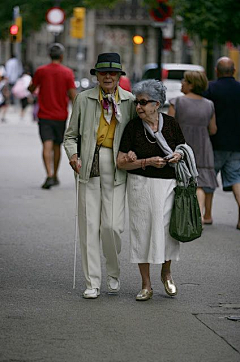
106	131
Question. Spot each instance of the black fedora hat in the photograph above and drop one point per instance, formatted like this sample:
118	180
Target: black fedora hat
108	62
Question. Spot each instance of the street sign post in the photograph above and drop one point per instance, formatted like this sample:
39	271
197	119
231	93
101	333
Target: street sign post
162	12
160	15
55	16
16	39
167	27
55	28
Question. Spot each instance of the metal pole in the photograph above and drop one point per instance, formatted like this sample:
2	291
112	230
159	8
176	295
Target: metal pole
76	233
160	45
17	46
80	60
56	35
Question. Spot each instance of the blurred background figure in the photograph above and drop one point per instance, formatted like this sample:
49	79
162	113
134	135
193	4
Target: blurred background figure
56	86
196	118
4	93
124	83
21	92
225	94
14	70
35	105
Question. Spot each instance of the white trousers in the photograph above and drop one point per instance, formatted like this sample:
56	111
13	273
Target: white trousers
150	205
101	218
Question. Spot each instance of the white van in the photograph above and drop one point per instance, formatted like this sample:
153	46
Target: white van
172	75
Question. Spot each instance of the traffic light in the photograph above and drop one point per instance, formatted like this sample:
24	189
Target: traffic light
16	31
18	22
77	23
13	33
137	40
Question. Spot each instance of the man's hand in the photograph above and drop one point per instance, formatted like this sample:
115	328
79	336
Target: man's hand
130	157
75	163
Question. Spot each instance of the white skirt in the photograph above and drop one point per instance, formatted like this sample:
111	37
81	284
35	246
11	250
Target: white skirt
150	204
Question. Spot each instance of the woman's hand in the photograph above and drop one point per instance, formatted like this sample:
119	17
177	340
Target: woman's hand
176	157
75	163
157	162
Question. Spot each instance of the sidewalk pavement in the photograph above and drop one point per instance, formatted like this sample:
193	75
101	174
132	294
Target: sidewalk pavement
44	319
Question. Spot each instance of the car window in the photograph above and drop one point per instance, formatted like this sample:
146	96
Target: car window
176	74
151	74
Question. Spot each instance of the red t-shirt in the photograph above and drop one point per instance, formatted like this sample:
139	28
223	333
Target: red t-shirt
54	81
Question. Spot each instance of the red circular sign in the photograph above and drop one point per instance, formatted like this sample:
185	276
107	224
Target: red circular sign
162	12
55	16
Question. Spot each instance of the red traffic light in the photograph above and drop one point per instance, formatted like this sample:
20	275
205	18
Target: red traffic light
14	30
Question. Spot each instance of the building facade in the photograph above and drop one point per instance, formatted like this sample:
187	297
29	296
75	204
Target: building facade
112	30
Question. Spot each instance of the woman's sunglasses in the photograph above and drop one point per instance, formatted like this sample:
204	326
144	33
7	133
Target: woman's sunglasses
143	102
110	73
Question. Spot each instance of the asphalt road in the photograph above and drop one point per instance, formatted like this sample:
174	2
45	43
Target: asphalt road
44	319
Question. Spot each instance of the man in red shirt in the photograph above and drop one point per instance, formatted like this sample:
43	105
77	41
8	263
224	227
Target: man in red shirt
56	85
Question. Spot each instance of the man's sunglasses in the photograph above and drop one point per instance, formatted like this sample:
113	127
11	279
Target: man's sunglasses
143	102
105	73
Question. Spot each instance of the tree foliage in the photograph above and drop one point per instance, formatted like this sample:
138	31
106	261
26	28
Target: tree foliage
33	12
214	20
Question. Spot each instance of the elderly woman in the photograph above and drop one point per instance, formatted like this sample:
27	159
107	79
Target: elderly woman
99	117
151	180
196	117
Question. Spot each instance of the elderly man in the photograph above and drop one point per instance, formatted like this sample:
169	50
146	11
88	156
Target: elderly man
99	117
225	94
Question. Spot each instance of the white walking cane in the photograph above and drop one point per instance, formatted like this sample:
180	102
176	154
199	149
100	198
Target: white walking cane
76	233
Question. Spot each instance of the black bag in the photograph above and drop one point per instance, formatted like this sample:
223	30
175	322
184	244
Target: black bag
185	223
95	172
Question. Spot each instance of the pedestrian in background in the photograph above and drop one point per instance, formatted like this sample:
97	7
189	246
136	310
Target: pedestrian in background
21	92
196	118
225	94
125	83
99	116
151	183
4	93
55	83
14	70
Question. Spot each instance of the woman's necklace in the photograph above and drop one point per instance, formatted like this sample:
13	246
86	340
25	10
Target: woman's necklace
145	132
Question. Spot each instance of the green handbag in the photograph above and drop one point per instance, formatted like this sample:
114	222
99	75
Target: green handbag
185	223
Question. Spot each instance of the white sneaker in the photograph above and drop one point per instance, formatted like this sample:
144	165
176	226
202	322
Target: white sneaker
113	284
91	293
